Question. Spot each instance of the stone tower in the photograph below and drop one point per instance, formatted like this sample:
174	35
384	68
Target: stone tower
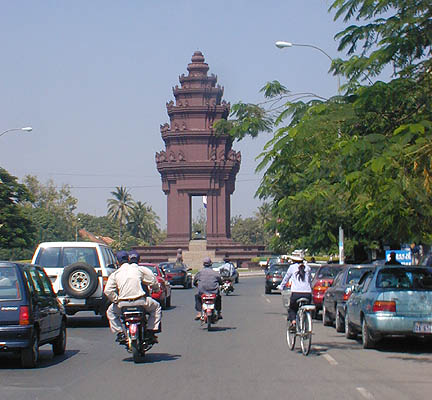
195	161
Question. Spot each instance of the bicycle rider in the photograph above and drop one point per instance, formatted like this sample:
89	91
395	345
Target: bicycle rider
299	274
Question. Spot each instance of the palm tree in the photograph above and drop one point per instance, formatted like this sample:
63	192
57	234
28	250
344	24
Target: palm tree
119	207
142	222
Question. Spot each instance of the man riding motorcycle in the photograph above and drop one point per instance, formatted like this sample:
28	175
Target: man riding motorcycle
125	288
208	282
227	270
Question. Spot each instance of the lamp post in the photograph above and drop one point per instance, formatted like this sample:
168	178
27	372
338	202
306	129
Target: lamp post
281	45
25	129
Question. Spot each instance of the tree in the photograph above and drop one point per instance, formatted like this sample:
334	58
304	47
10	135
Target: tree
361	159
142	222
16	229
120	206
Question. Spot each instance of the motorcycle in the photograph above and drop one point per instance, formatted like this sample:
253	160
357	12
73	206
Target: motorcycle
138	341
208	312
227	286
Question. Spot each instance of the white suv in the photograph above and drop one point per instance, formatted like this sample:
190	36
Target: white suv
78	273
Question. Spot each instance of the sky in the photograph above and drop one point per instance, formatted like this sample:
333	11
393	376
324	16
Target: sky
92	79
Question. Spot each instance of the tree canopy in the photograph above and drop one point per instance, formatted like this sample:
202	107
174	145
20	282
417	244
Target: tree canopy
361	159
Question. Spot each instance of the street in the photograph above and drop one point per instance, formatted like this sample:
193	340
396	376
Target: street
244	357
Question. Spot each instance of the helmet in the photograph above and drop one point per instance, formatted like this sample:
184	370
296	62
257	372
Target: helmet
122	256
226	258
134	256
207	261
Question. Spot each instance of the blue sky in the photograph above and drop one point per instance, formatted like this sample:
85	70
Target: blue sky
92	79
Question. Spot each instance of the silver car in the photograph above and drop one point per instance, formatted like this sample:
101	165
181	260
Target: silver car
390	301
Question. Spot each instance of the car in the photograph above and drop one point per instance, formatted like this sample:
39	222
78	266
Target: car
274	276
164	294
31	315
216	266
79	272
336	296
177	274
390	301
321	282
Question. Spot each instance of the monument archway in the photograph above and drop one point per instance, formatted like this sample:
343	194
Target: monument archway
197	162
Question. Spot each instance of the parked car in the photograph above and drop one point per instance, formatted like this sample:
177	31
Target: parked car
392	300
336	296
78	272
274	276
177	274
321	282
164	295
30	313
218	264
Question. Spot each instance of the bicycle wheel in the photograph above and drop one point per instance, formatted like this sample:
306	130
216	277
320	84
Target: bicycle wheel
306	332
290	335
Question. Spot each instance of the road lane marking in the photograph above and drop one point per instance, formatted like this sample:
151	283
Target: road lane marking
366	394
266	299
330	359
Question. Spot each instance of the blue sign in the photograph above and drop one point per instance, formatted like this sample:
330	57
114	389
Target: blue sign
403	256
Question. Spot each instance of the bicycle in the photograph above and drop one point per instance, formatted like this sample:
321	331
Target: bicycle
303	327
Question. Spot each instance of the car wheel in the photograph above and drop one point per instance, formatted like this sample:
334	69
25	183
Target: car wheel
340	326
349	332
325	317
267	290
79	280
368	341
59	345
30	355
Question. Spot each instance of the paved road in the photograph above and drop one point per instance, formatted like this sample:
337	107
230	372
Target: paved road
245	357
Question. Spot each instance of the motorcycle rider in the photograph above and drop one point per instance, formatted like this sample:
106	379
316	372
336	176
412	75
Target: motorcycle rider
227	270
125	288
299	274
208	282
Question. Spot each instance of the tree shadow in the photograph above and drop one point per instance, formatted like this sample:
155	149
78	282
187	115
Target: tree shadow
47	359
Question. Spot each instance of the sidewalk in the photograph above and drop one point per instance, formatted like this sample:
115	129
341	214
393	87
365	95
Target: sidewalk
245	272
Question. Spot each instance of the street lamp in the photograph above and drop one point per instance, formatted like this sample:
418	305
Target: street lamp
281	45
25	129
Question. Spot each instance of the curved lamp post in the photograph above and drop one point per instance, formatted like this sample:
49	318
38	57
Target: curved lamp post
25	129
281	45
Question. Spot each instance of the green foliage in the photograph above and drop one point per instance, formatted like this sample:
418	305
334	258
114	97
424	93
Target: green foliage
142	223
16	229
120	206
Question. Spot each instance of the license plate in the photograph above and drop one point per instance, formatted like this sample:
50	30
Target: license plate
422	327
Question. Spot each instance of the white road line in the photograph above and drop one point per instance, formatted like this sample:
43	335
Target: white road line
268	300
366	394
330	359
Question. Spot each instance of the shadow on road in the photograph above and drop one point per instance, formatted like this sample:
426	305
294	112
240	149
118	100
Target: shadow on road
86	322
46	359
151	358
221	328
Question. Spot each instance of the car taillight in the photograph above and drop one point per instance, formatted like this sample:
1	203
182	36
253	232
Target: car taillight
347	294
24	315
389	306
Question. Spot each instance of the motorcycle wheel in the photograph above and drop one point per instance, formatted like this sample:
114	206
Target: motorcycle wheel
136	353
209	321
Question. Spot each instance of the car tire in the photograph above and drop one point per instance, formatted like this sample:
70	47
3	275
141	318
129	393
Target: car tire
349	331
30	355
325	317
368	341
339	322
59	345
79	280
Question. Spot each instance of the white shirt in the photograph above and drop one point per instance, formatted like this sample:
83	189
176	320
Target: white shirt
297	285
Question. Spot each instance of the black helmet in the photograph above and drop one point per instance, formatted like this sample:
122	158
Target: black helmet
122	256
134	256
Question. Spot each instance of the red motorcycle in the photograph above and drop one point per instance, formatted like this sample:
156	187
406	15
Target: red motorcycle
138	341
208	311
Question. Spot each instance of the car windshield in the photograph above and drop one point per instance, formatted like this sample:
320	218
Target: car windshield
172	267
327	272
8	284
354	274
279	269
405	278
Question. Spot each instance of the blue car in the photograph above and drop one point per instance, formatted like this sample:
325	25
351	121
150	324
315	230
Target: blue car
390	301
30	313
